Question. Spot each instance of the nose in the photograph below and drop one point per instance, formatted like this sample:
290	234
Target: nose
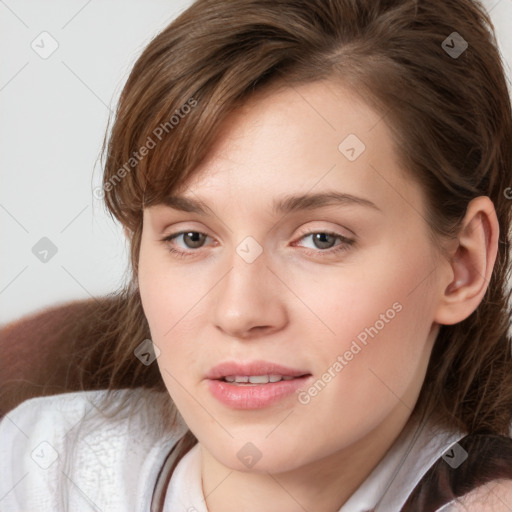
250	299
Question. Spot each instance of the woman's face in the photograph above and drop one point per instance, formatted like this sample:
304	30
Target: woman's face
338	295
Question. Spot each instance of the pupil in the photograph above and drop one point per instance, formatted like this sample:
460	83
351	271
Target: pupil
194	234
319	237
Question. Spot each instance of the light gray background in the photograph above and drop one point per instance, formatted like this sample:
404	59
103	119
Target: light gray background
53	116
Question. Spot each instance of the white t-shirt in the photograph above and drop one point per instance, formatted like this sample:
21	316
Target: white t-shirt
60	453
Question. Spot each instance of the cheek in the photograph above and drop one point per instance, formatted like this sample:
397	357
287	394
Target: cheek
170	298
160	302
369	289
168	293
152	288
380	315
378	312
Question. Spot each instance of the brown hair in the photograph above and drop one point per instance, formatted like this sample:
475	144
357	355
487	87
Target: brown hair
450	116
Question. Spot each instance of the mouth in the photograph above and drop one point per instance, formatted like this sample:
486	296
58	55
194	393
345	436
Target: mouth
257	380
254	385
254	372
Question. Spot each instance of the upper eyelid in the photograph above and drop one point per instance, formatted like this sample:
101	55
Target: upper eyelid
321	229
300	236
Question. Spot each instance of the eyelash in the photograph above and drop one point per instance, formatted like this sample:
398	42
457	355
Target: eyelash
337	249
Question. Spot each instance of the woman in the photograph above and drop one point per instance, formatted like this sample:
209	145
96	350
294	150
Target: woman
317	198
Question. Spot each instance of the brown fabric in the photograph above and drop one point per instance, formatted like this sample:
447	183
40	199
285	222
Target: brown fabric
489	458
38	351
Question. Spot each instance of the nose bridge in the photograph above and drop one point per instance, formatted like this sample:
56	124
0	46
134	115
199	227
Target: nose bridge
247	267
249	250
246	298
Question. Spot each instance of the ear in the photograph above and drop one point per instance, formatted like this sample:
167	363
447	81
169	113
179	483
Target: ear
127	232
471	262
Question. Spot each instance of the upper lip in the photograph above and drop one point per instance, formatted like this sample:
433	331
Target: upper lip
232	368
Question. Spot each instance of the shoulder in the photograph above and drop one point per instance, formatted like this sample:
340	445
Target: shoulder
63	414
475	474
63	452
492	497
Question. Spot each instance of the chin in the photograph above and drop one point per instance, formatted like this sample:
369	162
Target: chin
258	456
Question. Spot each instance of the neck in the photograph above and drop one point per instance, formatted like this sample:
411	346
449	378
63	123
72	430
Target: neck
322	485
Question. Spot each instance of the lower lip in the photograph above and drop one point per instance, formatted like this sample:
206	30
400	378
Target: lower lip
255	396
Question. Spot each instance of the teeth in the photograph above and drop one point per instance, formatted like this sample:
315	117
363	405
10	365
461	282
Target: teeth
255	379
259	379
232	378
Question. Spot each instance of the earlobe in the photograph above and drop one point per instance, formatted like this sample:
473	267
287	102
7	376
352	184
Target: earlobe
471	263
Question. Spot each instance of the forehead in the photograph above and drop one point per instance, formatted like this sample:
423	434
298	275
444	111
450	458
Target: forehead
283	150
297	123
317	135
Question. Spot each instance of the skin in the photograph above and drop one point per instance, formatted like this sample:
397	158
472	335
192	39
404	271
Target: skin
299	306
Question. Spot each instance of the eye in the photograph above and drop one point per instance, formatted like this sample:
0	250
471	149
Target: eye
192	240
324	242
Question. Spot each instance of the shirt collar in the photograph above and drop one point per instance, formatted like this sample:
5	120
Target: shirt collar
387	487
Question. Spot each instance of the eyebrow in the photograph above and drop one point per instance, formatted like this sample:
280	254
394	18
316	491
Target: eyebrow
286	204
